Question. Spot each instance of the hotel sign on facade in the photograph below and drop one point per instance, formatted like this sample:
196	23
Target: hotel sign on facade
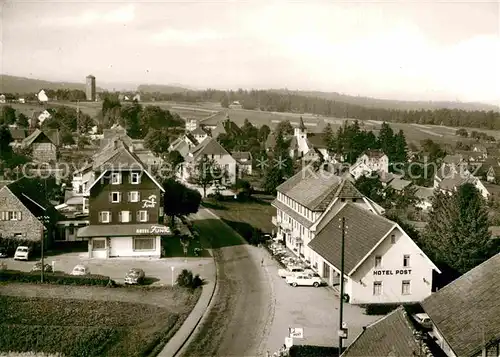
155	229
392	272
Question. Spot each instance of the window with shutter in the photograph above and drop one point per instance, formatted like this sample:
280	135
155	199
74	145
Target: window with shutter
19	215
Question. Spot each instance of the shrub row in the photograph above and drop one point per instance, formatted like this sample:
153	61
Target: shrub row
54	278
10	244
186	279
380	309
313	351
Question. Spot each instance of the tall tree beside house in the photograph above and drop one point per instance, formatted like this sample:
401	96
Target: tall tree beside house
8	115
264	132
179	200
207	173
5	140
457	234
130	119
22	121
67	138
400	149
158	141
272	179
284	127
174	159
248	130
329	137
386	140
224	102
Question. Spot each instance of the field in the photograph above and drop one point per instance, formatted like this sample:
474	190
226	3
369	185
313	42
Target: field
212	113
243	215
78	327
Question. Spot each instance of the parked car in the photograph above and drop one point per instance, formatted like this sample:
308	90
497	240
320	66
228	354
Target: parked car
22	253
80	270
38	267
3	253
293	270
135	276
303	280
424	320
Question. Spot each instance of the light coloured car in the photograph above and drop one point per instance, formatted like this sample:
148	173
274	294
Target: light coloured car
304	280
423	319
22	253
80	270
135	276
293	270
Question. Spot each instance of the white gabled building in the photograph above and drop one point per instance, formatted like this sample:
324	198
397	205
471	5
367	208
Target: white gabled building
369	162
382	263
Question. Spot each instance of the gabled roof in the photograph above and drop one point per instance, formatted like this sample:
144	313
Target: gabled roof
18	134
53	135
366	230
192	139
399	184
242	156
374	154
198	131
317	140
424	193
392	335
311	188
207	147
467	311
30	196
33	137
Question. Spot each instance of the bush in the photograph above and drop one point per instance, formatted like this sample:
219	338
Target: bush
313	351
187	280
54	278
10	244
380	309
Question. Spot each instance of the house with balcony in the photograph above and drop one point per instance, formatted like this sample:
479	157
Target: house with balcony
125	209
383	264
465	313
370	162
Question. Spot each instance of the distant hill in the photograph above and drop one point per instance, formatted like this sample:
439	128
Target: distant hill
14	84
161	88
389	103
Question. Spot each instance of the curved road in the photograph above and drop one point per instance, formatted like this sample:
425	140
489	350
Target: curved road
242	309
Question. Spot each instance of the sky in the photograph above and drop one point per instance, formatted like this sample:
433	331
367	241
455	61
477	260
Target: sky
398	50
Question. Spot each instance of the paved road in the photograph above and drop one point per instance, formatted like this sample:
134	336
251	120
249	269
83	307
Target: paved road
239	320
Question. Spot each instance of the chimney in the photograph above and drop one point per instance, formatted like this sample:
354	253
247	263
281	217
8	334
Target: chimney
115	144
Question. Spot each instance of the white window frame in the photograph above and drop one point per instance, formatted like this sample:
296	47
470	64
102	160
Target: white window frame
139	216
100	240
116	178
406	284
378	258
121	215
406	261
393	239
152	239
102	215
137	177
138	195
118	197
378	291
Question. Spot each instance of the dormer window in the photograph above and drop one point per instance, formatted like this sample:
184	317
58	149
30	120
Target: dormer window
116	178
135	178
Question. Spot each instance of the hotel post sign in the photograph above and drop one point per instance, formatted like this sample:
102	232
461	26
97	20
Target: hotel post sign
392	272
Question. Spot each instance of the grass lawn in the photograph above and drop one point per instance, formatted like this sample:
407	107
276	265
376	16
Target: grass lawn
255	213
99	327
173	248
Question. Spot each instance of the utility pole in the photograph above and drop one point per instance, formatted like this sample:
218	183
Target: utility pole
342	331
44	218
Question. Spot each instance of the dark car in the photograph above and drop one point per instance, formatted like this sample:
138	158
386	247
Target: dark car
38	267
135	276
3	253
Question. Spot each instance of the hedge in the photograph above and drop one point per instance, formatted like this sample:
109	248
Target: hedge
11	244
380	309
54	278
313	351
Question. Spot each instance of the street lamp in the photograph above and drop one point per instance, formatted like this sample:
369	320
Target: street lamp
172	268
342	325
45	220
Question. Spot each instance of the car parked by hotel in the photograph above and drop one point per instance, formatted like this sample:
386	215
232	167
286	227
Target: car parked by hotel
293	270
304	280
135	276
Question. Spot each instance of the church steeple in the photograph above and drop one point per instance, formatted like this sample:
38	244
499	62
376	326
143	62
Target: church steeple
302	127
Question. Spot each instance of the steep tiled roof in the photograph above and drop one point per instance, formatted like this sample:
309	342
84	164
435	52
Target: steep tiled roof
392	335
310	188
424	192
192	138
450	184
399	184
18	134
366	229
53	135
198	131
207	147
317	140
374	154
32	137
467	311
118	156
492	189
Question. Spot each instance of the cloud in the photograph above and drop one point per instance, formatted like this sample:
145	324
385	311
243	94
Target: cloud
123	14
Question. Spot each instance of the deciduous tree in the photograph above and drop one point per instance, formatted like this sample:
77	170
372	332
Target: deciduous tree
158	141
179	200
